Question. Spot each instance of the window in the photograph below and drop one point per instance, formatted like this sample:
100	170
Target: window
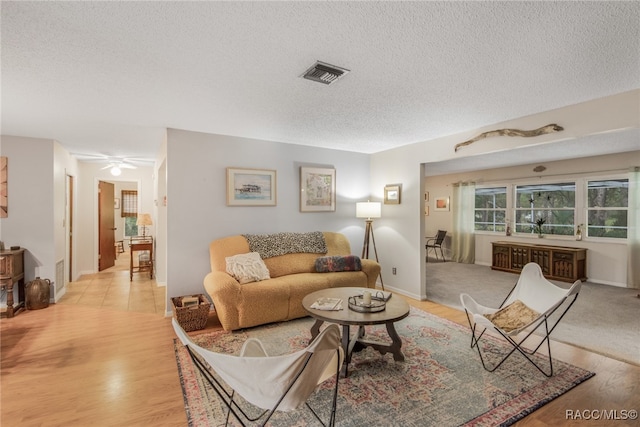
607	208
129	205
555	203
491	209
130	226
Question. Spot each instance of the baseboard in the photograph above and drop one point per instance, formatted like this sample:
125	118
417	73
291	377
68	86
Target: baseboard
59	294
402	292
589	279
82	273
608	283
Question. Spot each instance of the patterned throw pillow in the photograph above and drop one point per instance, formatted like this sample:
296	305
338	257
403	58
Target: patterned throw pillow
246	268
514	316
328	264
273	245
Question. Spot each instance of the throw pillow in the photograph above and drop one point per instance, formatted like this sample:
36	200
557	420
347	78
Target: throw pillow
514	316
328	264
246	268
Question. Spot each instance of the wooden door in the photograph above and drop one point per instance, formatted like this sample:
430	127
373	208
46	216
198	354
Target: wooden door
106	226
69	225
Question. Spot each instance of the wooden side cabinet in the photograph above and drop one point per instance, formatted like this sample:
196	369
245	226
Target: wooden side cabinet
11	273
557	262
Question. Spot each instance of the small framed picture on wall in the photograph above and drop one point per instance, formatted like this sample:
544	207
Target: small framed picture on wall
392	194
442	204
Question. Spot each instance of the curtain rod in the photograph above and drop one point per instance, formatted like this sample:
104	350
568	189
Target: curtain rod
629	169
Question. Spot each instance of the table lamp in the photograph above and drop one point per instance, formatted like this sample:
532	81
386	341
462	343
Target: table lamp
144	220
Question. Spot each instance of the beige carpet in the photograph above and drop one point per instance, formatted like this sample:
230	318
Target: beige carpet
605	319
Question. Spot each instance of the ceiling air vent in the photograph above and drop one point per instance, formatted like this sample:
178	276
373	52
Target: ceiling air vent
324	73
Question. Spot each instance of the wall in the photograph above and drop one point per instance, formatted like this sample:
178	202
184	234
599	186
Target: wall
36	191
196	198
406	165
606	260
160	187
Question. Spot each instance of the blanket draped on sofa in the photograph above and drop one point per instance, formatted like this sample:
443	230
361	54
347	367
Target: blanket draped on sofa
272	245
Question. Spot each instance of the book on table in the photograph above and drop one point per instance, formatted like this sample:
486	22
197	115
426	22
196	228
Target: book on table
190	301
327	304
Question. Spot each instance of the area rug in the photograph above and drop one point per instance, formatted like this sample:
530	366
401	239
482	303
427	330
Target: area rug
441	382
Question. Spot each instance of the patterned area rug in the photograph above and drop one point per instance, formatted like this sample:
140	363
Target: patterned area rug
441	382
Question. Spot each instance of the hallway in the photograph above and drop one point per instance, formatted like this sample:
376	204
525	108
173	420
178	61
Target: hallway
111	289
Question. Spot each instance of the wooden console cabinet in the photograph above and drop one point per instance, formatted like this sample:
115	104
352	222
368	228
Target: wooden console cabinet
12	273
557	262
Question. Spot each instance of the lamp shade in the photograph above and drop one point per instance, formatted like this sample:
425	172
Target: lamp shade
144	219
368	210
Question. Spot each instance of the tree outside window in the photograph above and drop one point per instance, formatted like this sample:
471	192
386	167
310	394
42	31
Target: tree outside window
607	208
554	203
491	209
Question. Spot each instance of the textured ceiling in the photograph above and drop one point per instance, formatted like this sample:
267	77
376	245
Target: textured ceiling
109	77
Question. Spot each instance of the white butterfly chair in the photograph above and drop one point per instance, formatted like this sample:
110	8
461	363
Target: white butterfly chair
536	293
271	383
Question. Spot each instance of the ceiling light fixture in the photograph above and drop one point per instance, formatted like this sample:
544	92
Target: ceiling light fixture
322	72
116	171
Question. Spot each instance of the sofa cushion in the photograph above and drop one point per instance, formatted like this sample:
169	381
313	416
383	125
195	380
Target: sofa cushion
514	316
246	268
328	264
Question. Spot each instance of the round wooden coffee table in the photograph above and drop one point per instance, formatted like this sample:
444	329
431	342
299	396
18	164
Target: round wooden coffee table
396	309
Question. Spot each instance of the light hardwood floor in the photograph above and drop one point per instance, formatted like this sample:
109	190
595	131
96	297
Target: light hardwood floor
91	360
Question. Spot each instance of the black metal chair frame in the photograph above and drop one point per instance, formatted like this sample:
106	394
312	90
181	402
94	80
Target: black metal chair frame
517	345
437	240
230	403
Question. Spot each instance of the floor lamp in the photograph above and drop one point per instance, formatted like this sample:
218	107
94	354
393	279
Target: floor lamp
369	210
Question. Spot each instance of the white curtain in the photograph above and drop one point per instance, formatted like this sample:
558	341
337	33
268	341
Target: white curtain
633	230
463	245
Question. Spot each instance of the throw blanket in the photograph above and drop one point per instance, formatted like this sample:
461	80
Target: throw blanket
272	245
328	264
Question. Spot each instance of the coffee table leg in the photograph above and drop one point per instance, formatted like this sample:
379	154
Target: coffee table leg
361	332
394	348
396	343
315	329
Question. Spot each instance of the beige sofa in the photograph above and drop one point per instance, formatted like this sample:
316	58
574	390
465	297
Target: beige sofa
279	298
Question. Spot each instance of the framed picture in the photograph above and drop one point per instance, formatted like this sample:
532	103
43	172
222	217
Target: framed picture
116	203
392	194
442	204
317	189
251	187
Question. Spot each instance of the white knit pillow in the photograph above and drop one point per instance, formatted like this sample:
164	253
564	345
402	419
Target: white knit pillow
246	268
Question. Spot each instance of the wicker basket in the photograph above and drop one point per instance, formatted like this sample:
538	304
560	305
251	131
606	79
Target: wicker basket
194	317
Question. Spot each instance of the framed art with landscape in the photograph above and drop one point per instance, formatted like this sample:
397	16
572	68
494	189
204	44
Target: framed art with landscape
317	189
251	187
392	194
442	204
